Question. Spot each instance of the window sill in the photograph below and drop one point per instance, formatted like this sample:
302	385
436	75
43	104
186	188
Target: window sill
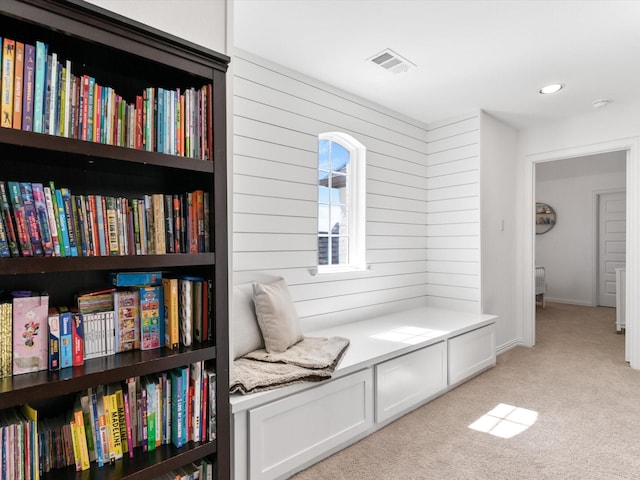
339	271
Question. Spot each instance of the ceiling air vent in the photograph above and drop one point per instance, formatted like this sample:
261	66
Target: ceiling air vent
390	60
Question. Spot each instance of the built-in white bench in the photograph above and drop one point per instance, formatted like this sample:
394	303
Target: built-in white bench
394	364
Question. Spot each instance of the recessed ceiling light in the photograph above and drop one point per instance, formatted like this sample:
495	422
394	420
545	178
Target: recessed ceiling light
551	88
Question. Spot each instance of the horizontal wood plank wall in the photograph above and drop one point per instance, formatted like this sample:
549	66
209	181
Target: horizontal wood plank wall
453	214
278	115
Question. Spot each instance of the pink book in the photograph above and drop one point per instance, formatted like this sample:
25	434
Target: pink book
30	334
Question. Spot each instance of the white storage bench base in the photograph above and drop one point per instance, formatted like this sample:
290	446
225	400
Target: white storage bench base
394	364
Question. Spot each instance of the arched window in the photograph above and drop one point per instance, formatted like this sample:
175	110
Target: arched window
341	203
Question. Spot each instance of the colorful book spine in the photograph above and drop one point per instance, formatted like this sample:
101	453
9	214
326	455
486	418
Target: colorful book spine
54	339
96	426
171	313
66	339
31	216
77	338
8	67
63	233
8	219
100	225
68	212
128	424
114	420
51	218
29	84
4	243
30	341
112	227
39	86
18	86
83	448
177	408
22	232
40	202
135	279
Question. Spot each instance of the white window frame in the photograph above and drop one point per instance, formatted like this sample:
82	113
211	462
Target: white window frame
357	203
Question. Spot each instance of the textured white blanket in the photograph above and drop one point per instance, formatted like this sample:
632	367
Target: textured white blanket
310	360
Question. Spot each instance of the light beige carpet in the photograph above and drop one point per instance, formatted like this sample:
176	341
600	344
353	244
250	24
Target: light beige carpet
586	397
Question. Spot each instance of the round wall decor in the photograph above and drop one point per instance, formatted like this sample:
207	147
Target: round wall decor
545	218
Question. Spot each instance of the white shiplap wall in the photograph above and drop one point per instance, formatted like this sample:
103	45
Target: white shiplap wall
277	116
453	214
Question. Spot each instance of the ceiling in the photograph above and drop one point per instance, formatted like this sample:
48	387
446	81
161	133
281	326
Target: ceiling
470	54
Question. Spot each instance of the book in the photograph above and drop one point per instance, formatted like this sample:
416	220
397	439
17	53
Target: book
66	338
81	436
112	226
178	394
28	80
198	305
89	428
135	279
39	86
159	238
6	348
211	414
30	338
71	229
114	419
4	244
151	317
171	313
8	220
18	86
53	320
61	221
22	233
40	204
106	438
126	408
96	427
31	217
51	217
32	415
168	221
8	67
127	320
150	385
195	372
77	338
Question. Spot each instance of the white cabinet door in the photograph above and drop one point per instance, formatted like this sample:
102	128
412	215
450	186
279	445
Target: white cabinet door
471	353
287	433
405	381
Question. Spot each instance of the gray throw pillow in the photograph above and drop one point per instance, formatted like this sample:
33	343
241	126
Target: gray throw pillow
244	324
277	315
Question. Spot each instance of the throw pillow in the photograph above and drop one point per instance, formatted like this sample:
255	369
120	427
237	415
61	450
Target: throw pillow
245	330
277	315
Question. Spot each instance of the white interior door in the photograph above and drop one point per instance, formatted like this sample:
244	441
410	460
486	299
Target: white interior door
612	227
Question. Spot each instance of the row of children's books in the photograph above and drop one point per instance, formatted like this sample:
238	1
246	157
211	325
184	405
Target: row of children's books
110	422
44	93
42	220
199	470
142	310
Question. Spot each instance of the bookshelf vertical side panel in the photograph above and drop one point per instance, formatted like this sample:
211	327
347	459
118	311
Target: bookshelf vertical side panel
220	223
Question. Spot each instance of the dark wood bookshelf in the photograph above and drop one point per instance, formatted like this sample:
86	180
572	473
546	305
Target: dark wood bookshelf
127	56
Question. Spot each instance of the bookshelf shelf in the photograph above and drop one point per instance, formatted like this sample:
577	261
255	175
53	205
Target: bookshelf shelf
44	384
34	265
130	58
143	466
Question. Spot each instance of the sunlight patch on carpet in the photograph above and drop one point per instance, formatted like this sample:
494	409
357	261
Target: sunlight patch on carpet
505	421
408	334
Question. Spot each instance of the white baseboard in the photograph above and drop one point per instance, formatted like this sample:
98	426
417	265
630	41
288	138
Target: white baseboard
509	345
568	301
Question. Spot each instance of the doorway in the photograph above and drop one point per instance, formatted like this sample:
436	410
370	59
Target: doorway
570	251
